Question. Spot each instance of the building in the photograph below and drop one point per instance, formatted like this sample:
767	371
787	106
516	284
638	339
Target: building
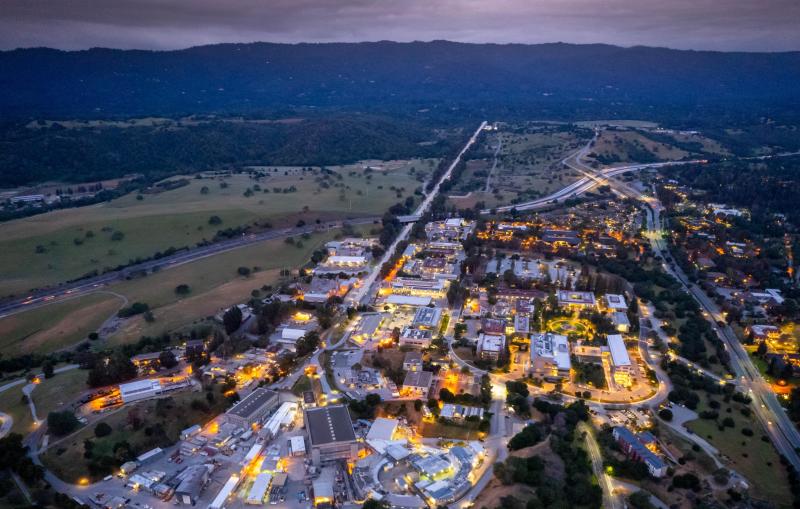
140	389
521	325
614	302
330	434
762	332
417	338
254	407
561	238
191	483
225	493
576	300
434	288
621	366
258	491
368	324
427	318
550	357
412	361
493	326
637	451
147	362
297	446
460	412
491	346
620	321
408	300
454	229
417	384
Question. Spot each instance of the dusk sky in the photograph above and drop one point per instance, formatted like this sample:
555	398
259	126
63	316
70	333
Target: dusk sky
746	25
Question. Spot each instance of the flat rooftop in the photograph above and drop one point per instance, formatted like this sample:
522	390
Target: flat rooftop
252	403
329	424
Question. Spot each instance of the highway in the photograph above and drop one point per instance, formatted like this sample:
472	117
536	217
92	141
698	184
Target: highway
773	417
85	286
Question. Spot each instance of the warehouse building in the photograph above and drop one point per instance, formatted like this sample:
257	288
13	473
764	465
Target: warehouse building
252	408
330	434
140	389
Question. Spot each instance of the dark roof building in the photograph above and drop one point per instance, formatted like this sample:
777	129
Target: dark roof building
331	434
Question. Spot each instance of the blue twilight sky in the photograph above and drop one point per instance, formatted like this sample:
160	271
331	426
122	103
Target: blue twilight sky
741	25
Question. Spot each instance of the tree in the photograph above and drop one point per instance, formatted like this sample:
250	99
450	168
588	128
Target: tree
232	319
102	430
117	236
762	349
243	271
62	423
666	414
214	220
167	359
182	289
47	369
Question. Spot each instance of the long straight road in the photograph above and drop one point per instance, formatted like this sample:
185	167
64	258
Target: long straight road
362	294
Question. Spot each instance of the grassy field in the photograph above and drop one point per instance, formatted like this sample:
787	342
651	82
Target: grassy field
751	456
631	146
65	457
214	283
63	388
528	167
11	403
56	326
73	242
442	430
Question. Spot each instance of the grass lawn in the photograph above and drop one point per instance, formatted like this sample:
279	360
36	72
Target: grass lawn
751	456
626	146
214	284
11	404
66	458
180	217
63	388
442	430
55	326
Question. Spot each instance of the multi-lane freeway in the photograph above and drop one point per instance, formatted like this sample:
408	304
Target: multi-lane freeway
88	285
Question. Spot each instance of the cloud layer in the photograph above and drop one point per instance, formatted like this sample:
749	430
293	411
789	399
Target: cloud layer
740	25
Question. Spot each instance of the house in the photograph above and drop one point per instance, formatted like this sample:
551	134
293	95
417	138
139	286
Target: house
331	435
322	289
412	361
417	338
417	384
490	346
620	321
636	450
763	332
576	300
550	358
614	302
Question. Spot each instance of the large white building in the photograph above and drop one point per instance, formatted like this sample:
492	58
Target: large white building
620	360
491	346
550	356
140	389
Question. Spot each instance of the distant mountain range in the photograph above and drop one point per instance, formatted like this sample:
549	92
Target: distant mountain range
433	78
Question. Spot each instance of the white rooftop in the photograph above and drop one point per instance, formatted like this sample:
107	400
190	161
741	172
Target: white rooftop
619	354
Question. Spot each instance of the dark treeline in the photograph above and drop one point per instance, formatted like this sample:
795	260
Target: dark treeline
33	154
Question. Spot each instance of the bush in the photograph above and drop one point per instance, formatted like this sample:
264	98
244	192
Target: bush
182	289
530	435
666	414
102	430
243	271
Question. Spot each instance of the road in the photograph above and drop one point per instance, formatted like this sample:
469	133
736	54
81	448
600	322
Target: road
773	417
610	499
362	294
85	286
